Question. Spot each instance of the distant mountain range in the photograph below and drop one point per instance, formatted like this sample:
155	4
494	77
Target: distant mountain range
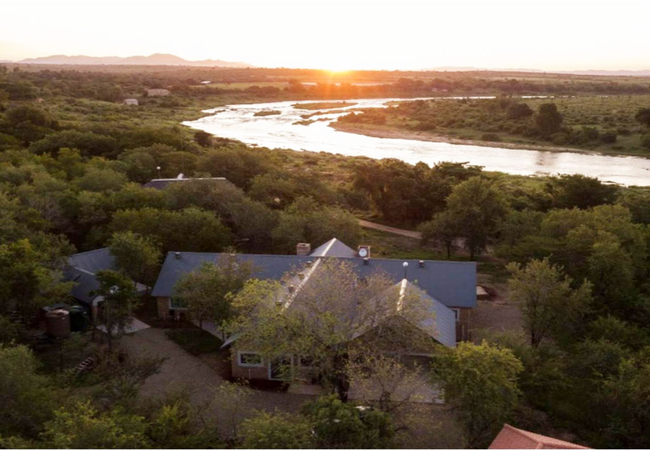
163	59
157	59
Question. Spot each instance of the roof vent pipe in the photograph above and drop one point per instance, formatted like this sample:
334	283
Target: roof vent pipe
177	255
366	261
421	263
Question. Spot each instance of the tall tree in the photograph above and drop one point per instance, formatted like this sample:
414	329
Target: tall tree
119	301
548	302
138	256
643	116
476	207
480	382
27	280
319	315
441	230
28	398
569	191
548	118
307	221
386	379
208	291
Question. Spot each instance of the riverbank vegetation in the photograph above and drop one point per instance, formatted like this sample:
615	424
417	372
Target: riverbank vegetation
323	105
606	124
73	161
267	112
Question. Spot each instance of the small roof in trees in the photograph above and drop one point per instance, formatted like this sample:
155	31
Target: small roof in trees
511	437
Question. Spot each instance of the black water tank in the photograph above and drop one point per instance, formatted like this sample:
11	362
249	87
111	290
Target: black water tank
78	318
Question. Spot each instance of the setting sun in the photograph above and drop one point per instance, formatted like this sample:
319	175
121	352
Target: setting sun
335	70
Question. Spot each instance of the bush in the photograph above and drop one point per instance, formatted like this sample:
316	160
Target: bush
89	143
278	430
490	137
560	138
608	137
645	141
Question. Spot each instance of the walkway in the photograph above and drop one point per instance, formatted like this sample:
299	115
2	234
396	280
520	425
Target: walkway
387	229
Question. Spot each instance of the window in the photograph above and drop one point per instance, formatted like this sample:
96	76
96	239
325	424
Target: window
250	359
178	303
456	313
306	361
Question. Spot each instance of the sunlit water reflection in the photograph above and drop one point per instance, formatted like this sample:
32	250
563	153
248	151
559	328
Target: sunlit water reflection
279	131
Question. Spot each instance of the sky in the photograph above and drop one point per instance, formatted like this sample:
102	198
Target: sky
339	35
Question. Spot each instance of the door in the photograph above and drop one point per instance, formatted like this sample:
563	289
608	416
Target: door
280	369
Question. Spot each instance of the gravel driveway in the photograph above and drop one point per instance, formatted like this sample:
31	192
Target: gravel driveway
183	372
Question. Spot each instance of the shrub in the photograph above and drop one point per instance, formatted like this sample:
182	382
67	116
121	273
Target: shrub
608	137
490	137
645	141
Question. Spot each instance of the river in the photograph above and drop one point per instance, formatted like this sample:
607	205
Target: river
280	131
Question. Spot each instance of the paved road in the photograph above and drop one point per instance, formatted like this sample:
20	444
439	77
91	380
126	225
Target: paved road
387	229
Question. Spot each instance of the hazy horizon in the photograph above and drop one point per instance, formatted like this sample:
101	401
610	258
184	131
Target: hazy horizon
356	35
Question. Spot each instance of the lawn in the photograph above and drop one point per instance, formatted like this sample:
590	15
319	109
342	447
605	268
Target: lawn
194	340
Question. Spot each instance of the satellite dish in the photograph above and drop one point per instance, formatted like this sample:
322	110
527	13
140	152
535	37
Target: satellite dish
363	252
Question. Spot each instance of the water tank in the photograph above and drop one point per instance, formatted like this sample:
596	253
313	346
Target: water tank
78	318
58	323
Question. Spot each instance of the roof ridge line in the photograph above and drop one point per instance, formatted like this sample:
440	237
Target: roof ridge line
89	251
524	433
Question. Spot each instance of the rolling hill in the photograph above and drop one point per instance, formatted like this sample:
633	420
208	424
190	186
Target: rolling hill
157	59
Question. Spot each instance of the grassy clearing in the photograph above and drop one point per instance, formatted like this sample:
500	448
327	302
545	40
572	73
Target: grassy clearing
194	340
386	245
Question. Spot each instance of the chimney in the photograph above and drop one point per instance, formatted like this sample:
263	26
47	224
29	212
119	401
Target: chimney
303	249
177	255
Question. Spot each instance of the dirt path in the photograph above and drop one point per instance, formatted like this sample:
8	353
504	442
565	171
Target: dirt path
392	230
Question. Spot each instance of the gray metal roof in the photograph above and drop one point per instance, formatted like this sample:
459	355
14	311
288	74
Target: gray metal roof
162	183
442	319
451	283
93	261
264	267
334	247
85	283
82	268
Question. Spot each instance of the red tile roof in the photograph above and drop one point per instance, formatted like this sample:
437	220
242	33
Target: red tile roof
511	437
